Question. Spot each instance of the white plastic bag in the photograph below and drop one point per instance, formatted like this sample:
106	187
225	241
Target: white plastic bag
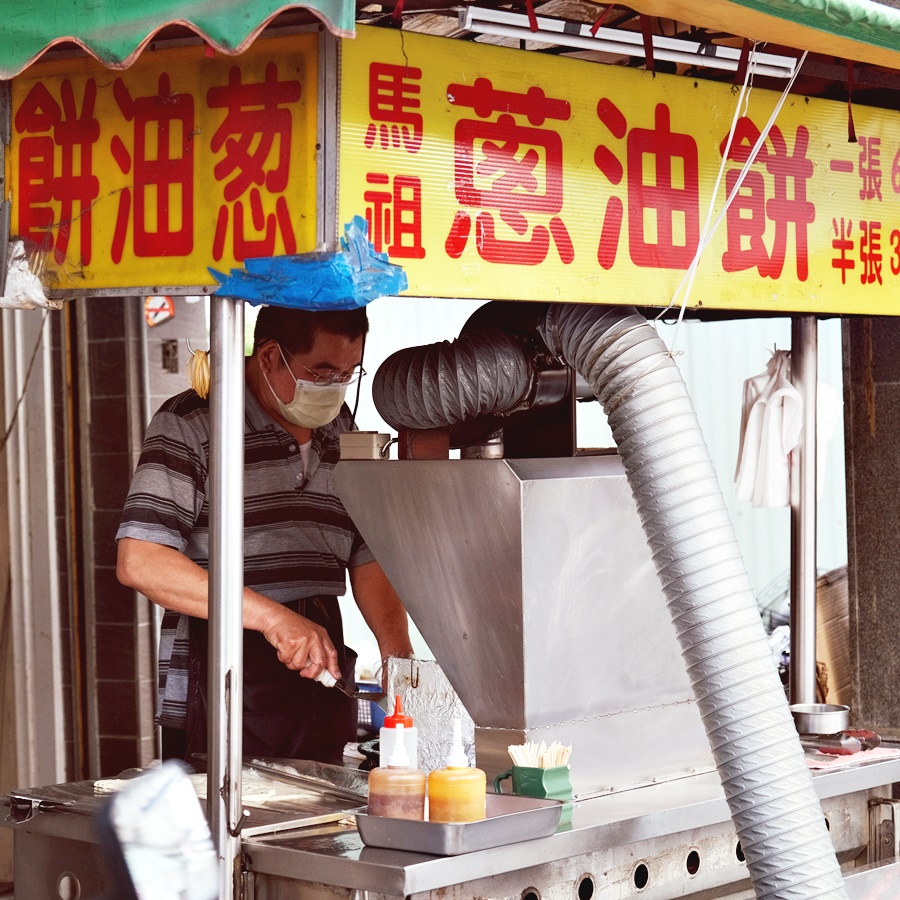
23	287
771	421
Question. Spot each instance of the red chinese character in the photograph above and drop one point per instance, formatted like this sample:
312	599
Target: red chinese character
748	214
395	215
392	102
76	187
245	247
676	206
511	156
674	201
870	168
162	170
608	163
256	139
870	252
843	244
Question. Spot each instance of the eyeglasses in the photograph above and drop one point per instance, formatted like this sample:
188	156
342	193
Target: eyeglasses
323	379
326	379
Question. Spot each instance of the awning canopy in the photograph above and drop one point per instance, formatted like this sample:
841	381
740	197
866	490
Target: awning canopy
860	30
116	31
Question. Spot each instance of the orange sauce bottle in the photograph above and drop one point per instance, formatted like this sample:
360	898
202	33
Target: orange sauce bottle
458	792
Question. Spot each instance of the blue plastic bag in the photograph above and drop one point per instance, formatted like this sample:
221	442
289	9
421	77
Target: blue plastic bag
347	279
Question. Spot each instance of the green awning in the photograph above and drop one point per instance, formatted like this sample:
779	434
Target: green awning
116	31
861	30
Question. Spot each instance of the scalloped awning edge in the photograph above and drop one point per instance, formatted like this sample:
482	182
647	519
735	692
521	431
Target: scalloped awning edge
117	34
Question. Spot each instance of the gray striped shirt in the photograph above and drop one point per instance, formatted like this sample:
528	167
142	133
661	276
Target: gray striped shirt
298	538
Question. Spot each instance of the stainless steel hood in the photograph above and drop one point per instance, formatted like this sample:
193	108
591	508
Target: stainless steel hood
533	585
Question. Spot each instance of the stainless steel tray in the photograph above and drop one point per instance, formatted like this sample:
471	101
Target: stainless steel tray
510	819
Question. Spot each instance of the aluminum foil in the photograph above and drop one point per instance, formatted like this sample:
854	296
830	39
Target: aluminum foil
431	701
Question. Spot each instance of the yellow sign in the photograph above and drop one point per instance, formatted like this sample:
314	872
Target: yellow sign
142	179
503	174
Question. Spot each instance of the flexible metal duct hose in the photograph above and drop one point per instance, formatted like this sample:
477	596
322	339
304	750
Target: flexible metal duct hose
753	738
768	787
439	385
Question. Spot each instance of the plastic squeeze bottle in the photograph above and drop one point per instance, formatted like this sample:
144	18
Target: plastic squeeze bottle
396	790
458	792
386	736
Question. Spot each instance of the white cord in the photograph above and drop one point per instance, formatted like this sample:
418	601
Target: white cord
708	232
744	96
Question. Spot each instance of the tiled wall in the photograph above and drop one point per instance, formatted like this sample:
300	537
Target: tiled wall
118	662
120	627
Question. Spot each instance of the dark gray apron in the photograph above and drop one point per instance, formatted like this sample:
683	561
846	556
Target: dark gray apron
285	715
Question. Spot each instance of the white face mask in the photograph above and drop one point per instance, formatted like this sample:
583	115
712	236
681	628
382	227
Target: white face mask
312	405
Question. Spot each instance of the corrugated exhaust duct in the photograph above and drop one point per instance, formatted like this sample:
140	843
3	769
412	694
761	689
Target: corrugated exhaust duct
749	727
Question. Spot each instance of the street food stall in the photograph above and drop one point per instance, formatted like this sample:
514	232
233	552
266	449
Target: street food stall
599	600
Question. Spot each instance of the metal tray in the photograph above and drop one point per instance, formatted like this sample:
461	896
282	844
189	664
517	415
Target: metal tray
510	819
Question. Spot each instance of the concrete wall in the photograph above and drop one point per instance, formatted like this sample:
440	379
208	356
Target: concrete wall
872	432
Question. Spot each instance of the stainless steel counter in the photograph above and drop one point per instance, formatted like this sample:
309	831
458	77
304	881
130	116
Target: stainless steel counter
653	821
672	839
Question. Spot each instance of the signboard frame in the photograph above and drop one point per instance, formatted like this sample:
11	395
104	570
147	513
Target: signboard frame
436	100
324	165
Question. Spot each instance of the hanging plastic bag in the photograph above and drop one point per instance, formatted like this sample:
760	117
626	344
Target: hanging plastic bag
771	420
347	279
23	284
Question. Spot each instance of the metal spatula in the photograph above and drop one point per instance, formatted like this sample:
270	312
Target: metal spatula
328	680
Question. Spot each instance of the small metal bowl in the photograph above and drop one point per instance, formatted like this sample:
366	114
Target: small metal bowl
820	718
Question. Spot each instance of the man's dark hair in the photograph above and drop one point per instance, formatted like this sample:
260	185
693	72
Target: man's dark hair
296	329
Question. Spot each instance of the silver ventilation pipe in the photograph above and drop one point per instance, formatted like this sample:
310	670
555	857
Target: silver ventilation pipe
442	384
768	787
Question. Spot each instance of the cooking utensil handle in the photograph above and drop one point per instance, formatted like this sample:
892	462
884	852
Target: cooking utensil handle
324	677
869	739
501	777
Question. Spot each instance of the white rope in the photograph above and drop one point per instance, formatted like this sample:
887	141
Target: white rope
706	235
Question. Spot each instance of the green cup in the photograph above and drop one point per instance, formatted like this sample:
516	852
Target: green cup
549	784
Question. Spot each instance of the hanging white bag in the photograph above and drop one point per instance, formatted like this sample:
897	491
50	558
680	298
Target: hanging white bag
771	420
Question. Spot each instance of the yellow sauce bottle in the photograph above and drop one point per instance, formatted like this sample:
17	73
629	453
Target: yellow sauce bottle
458	792
396	790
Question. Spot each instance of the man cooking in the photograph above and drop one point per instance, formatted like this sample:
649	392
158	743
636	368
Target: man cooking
299	544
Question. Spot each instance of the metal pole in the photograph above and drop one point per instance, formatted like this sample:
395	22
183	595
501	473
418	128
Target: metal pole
804	375
137	378
226	580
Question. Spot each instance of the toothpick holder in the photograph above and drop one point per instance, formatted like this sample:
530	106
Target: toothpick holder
550	784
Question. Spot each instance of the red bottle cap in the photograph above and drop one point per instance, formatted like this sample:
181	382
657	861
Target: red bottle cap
398	718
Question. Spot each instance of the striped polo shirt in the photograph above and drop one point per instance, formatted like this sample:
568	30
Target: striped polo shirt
298	538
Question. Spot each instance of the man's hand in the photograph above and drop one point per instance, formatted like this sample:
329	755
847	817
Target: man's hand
175	582
302	645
